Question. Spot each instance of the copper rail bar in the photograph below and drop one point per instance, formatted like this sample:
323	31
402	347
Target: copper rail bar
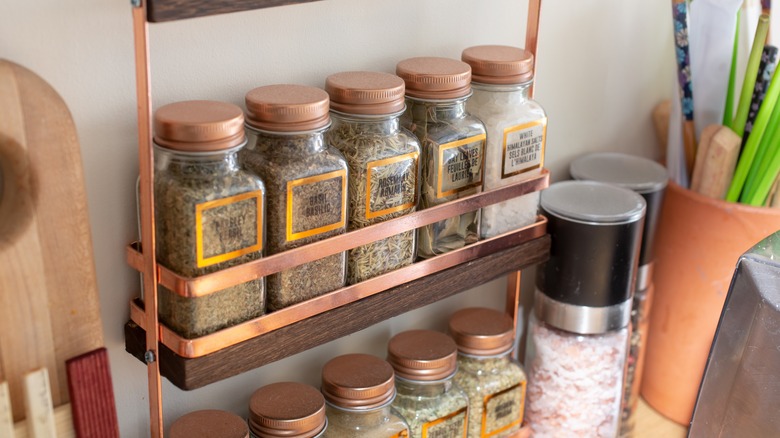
531	44
513	301
209	283
192	348
146	164
532	36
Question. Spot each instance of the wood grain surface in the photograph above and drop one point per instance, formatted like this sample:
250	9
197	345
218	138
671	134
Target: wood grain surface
49	309
651	424
170	10
195	373
92	395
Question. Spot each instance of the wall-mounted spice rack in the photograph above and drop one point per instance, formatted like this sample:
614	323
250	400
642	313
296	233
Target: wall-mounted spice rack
193	363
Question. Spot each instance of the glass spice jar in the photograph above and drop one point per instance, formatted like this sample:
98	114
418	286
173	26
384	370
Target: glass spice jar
453	146
359	390
516	130
578	333
649	179
493	381
306	182
287	409
383	165
209	213
209	423
428	399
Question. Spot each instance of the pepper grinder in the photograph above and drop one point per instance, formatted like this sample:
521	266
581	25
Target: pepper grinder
578	333
649	179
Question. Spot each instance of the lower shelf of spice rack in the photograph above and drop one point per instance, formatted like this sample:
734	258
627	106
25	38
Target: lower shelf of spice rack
192	373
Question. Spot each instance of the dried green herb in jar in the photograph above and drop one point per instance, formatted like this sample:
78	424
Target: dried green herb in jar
494	383
287	409
453	145
425	362
383	165
209	213
306	183
359	389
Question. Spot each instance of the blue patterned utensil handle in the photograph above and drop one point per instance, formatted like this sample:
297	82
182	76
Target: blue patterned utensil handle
680	16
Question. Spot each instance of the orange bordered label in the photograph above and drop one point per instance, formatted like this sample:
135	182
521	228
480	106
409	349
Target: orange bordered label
503	410
450	426
460	165
523	147
229	227
316	204
388	182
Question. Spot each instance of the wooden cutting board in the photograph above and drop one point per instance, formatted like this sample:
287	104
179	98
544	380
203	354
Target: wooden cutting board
49	308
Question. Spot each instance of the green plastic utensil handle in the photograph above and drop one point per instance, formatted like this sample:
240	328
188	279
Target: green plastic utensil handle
749	151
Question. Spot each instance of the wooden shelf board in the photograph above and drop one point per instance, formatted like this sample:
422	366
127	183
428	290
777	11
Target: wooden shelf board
294	338
171	10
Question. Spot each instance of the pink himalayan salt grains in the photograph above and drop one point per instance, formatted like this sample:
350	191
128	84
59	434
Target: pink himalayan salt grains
575	383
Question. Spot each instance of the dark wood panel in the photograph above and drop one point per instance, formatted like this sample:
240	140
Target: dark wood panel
194	373
170	10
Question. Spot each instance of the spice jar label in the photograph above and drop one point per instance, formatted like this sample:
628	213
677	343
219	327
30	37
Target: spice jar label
450	426
460	165
227	228
402	434
503	410
523	147
316	204
391	185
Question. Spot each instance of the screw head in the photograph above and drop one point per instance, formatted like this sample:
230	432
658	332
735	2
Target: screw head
149	357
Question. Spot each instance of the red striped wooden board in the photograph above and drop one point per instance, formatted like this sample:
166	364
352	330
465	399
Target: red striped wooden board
92	395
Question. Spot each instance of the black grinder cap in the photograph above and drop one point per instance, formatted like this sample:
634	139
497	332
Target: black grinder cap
596	231
642	175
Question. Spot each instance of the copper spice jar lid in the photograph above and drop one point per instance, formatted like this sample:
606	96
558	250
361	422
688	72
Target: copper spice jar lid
365	92
424	355
482	332
199	126
209	424
287	108
499	64
287	409
358	381
435	78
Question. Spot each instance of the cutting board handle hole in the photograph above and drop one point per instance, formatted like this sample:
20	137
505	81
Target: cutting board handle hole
18	191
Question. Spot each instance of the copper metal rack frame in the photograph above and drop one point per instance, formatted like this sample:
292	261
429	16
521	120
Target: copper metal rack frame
192	363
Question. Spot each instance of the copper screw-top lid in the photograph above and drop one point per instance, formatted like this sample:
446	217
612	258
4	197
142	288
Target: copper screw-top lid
422	355
208	424
287	409
365	92
358	381
199	126
287	108
499	64
435	78
482	332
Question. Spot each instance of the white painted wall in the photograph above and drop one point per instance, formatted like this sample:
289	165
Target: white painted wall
603	65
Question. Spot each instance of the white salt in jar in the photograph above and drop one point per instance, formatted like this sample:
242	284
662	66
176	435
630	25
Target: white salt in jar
516	130
578	334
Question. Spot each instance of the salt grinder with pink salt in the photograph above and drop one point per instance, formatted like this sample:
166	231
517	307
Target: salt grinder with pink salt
578	333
